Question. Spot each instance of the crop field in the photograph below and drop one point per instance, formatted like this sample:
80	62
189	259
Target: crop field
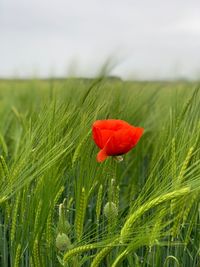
59	206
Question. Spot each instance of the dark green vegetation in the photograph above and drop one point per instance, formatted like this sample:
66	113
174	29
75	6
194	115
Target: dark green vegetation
53	192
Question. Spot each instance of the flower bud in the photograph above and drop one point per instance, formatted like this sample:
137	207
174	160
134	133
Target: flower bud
110	210
63	242
63	226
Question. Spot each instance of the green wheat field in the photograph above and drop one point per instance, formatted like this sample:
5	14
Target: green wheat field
53	192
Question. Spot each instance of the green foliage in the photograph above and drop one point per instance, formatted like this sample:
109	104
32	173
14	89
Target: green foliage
53	193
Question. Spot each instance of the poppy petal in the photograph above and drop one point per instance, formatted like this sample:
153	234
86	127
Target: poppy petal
111	124
96	134
137	133
101	137
120	143
102	155
123	140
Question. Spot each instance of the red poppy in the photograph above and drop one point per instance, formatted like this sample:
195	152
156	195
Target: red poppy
114	137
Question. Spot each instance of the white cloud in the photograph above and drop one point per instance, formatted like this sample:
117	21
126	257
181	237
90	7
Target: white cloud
150	38
189	25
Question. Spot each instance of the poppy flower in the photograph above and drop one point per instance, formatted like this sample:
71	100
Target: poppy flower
114	137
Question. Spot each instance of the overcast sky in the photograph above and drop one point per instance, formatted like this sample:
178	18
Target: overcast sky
146	39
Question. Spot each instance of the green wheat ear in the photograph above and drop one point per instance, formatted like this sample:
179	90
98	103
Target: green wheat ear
120	257
37	216
72	252
36	253
185	165
180	178
101	255
191	199
4	168
49	235
126	231
18	256
14	217
49	229
80	215
77	152
99	203
186	107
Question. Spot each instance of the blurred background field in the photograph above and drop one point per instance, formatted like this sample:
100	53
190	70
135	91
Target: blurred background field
58	205
53	192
